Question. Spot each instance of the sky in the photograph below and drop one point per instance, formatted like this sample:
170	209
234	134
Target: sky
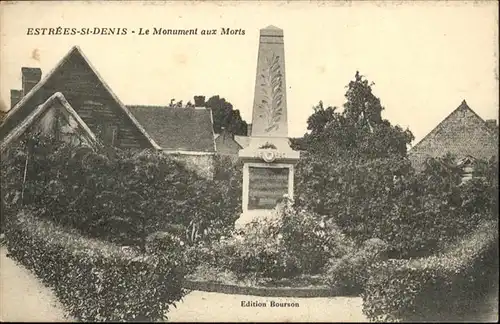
424	57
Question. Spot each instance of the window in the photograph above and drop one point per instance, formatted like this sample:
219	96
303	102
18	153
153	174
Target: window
467	173
57	127
467	166
109	134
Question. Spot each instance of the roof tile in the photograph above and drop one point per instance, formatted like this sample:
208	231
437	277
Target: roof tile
181	129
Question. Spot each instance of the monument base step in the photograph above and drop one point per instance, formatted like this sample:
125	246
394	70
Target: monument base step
253	215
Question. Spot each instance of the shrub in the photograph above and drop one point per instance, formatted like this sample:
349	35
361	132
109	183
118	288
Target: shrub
118	196
260	251
96	280
434	287
415	212
293	242
350	272
311	238
227	167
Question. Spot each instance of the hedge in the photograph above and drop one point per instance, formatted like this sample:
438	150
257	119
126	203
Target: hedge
436	287
349	273
416	213
93	279
117	196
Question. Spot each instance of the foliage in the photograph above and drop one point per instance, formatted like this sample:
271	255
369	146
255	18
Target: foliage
313	239
350	272
291	243
257	254
355	171
268	145
3	212
480	194
298	143
225	116
95	280
358	132
121	196
176	104
432	288
415	212
229	168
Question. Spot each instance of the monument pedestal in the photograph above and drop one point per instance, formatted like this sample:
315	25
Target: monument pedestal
268	175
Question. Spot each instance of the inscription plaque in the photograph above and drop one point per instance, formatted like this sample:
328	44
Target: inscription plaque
266	186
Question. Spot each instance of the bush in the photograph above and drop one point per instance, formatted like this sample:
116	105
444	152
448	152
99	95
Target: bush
350	272
311	238
434	287
95	280
417	213
118	196
260	251
227	167
294	242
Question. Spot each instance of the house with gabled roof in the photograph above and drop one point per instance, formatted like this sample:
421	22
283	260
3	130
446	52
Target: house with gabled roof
55	117
177	129
184	133
463	134
228	143
88	94
100	111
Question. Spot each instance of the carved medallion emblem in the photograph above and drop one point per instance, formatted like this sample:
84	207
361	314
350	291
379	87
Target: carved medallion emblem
268	156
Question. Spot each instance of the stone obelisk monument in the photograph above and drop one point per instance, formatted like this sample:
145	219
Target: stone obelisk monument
269	160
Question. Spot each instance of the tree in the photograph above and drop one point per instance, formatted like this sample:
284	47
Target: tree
298	143
359	131
356	172
174	104
226	116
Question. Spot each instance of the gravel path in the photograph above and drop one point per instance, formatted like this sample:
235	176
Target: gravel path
23	298
199	306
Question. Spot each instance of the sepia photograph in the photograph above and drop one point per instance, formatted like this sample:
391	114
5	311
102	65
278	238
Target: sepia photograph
249	161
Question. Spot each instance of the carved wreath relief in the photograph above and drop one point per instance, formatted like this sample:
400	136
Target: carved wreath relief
270	108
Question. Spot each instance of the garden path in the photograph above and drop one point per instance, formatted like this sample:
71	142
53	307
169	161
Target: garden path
23	298
202	306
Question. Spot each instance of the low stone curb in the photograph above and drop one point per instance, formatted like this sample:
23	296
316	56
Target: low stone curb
309	292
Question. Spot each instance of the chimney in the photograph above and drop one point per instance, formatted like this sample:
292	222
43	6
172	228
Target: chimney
226	134
249	130
31	76
491	123
199	101
15	97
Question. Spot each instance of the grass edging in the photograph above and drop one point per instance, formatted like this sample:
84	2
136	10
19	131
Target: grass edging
308	292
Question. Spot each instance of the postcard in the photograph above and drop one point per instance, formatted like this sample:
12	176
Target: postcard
249	161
